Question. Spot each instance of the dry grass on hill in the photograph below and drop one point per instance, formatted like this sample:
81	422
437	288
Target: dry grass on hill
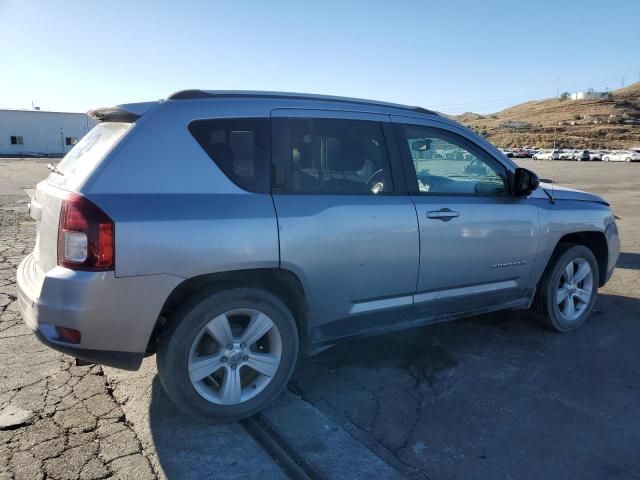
584	123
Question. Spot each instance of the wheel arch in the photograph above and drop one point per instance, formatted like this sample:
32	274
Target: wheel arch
594	241
282	283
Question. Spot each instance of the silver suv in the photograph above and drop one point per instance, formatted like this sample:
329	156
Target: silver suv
227	231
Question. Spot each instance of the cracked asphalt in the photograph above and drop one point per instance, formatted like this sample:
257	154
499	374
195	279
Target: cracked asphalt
498	396
493	396
57	420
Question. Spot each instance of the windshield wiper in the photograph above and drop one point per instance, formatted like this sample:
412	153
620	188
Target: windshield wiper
55	169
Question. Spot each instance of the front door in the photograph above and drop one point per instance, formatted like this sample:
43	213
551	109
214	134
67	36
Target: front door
478	243
345	228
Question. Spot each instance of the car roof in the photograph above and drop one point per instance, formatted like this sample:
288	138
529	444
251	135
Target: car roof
204	94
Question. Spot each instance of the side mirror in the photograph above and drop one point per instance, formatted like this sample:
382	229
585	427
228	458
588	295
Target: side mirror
421	145
524	182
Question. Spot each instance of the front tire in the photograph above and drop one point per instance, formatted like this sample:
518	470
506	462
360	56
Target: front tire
225	356
568	288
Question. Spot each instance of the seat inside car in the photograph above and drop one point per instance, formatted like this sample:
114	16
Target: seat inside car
348	158
302	157
223	154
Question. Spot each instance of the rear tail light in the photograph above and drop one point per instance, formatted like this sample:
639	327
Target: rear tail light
69	335
86	236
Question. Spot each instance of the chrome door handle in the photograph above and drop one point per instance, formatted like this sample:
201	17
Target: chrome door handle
443	214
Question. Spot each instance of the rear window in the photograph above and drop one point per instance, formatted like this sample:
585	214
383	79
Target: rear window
239	146
85	156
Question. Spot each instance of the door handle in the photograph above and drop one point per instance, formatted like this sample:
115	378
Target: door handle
443	214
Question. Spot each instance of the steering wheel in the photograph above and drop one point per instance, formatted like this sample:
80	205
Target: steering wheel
370	180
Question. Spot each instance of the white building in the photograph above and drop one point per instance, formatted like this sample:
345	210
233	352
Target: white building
589	95
35	132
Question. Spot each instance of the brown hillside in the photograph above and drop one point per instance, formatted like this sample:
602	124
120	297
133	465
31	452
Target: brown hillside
609	123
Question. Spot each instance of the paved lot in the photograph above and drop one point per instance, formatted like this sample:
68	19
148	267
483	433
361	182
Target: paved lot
491	396
56	420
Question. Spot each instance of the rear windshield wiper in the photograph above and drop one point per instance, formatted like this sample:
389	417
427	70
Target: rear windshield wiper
55	169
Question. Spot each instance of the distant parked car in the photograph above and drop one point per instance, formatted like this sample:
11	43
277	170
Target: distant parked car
547	155
622	156
566	154
506	152
582	155
519	153
596	155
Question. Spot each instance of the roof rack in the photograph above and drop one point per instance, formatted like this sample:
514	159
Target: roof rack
196	94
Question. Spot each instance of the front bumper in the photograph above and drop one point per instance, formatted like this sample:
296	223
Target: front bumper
114	315
613	247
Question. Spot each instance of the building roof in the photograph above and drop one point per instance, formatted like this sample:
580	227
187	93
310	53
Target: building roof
25	110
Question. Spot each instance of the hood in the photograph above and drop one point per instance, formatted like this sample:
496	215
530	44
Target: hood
564	193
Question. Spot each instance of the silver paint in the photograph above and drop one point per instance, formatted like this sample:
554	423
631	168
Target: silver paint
178	216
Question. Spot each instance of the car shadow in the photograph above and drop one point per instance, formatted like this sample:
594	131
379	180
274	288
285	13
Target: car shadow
629	260
444	360
188	448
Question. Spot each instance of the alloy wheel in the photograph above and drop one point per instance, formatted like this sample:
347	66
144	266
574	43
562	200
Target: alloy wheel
574	289
235	356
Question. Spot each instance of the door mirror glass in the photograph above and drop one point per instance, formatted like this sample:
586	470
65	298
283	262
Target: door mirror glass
421	145
525	182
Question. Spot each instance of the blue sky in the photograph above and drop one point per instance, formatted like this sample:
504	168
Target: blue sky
451	55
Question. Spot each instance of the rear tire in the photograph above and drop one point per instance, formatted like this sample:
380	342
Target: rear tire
225	356
568	288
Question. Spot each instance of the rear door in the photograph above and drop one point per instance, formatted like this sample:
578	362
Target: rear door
478	242
347	227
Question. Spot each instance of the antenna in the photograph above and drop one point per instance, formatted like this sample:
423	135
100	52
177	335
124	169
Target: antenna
555	136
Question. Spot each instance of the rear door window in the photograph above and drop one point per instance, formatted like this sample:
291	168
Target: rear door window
330	156
239	146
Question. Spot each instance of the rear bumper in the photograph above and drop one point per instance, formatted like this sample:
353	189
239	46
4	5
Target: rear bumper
122	360
115	316
613	247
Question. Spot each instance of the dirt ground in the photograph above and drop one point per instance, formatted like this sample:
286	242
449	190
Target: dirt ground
494	396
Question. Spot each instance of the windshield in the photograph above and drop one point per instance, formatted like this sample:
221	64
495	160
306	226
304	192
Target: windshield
83	158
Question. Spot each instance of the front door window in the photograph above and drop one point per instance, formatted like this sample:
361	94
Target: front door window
445	164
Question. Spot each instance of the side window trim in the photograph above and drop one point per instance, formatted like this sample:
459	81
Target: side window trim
407	160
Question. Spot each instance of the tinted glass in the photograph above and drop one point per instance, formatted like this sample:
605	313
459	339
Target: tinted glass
330	156
446	163
239	146
86	155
